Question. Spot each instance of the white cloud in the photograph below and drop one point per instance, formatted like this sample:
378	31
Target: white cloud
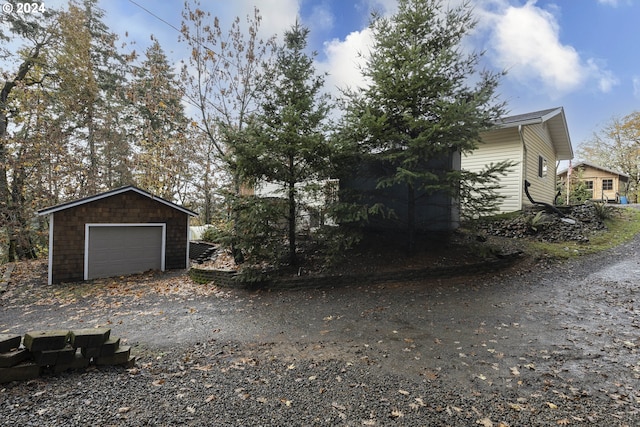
613	3
605	78
527	44
636	86
277	15
322	18
344	59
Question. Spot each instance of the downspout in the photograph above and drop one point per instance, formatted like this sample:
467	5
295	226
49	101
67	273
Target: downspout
524	158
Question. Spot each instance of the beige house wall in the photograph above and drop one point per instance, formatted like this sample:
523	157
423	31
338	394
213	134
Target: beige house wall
538	144
495	147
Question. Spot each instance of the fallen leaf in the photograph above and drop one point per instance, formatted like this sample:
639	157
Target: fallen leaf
338	406
158	383
123	410
403	392
430	375
514	371
552	405
486	422
191	409
397	414
210	398
563	422
515	407
286	402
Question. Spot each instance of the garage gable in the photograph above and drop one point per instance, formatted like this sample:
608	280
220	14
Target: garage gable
122	231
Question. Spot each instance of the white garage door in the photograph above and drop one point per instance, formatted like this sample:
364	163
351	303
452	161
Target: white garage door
118	249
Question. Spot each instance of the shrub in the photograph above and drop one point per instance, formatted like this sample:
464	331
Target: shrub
603	211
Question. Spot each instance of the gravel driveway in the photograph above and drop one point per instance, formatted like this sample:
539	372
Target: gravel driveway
536	345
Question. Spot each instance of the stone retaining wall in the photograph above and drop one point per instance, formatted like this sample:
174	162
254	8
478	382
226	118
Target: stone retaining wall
55	351
226	278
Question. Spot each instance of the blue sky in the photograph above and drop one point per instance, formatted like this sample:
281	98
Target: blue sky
578	54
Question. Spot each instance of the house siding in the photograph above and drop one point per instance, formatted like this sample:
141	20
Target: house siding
67	262
498	146
538	143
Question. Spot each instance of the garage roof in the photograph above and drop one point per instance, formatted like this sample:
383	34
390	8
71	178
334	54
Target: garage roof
110	193
556	123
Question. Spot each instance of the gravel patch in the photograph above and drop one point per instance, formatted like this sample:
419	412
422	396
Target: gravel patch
220	384
537	345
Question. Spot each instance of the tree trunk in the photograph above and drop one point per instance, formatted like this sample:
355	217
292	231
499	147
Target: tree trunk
411	218
20	238
5	196
291	193
293	260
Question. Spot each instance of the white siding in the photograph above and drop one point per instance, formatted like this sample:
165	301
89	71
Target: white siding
538	143
497	146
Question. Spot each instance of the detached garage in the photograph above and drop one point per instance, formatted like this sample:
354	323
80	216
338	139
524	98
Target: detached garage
122	231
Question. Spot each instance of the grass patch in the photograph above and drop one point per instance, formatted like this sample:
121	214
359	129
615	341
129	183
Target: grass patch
623	225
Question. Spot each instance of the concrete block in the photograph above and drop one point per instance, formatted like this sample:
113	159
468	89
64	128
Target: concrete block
53	357
120	357
89	337
13	357
46	340
91	352
109	347
9	342
24	371
78	362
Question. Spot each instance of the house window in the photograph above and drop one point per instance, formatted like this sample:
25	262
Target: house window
542	167
589	186
607	184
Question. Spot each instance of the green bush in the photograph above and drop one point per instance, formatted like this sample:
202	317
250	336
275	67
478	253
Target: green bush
603	211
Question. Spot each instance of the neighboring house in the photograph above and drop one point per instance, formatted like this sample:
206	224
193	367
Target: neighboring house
311	206
122	231
605	184
536	142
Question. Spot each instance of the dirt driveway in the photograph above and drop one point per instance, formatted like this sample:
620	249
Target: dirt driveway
544	334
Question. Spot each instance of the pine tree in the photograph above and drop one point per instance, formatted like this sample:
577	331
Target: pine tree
286	142
424	102
160	131
92	74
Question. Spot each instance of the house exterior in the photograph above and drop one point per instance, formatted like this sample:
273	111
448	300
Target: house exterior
311	204
605	184
536	141
118	232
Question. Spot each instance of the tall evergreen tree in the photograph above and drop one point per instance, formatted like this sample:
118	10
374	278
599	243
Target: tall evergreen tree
286	143
425	99
92	74
160	134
